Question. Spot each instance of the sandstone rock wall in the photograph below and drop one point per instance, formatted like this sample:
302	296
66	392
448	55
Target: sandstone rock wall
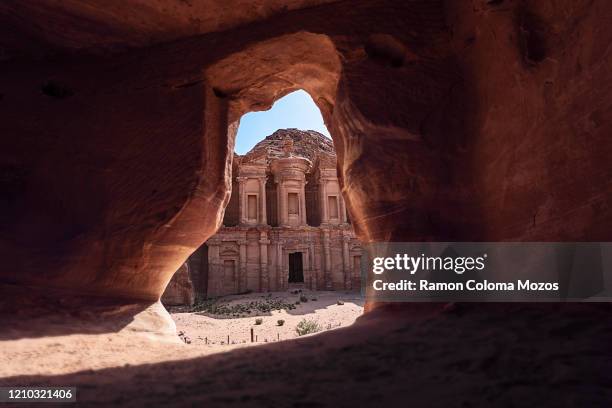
452	120
538	152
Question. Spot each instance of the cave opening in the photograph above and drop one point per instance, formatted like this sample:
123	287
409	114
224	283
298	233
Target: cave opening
285	233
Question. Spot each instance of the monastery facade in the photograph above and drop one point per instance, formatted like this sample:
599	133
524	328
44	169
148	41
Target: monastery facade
286	225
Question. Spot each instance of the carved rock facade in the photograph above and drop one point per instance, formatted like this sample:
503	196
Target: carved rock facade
286	223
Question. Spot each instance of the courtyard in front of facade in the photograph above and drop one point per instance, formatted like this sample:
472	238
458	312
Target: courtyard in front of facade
257	318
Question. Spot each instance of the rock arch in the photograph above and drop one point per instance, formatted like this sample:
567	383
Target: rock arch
117	172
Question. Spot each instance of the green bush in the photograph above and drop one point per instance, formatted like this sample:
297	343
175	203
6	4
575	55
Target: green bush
258	321
280	322
307	327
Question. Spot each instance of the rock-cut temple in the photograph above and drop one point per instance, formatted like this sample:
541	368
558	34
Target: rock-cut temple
285	226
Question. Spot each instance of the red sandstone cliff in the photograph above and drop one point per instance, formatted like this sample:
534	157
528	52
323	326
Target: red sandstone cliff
471	120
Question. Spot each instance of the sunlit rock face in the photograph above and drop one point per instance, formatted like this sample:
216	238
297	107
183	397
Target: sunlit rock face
452	121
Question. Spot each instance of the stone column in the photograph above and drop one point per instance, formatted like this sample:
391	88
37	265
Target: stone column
241	200
327	264
282	204
263	219
303	203
323	200
306	267
242	285
342	209
346	262
279	264
215	277
264	283
313	268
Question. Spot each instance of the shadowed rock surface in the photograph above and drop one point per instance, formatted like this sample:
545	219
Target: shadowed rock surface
452	120
467	356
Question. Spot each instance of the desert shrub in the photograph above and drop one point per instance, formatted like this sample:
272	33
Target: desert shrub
258	321
218	307
280	322
307	327
303	298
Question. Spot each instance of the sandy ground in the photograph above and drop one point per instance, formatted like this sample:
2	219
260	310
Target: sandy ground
53	337
213	331
423	355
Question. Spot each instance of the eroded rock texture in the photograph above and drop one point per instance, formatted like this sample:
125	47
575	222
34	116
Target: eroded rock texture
472	120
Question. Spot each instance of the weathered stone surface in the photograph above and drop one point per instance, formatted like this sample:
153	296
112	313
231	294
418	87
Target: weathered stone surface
470	120
538	75
306	143
100	26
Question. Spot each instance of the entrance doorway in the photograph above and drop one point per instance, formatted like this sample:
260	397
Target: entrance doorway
296	269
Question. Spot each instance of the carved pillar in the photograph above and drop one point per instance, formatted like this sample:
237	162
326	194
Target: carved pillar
323	200
242	208
242	285
346	262
215	272
264	283
279	264
263	219
303	203
327	264
285	203
313	268
342	209
282	204
306	267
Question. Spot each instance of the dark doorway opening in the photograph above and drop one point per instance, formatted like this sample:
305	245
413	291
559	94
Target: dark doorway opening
296	270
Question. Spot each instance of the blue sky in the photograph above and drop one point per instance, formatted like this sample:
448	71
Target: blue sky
296	110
